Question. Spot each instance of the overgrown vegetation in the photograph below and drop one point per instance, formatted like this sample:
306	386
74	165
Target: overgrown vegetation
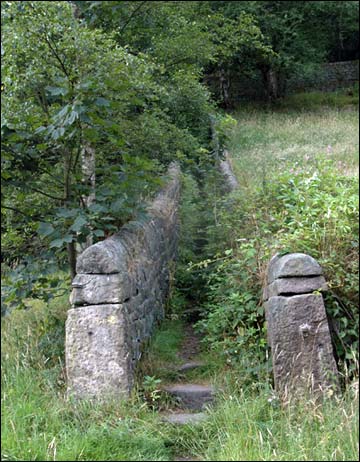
295	195
98	98
248	423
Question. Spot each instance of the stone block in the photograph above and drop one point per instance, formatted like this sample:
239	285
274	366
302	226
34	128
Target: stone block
97	351
292	286
192	396
301	348
105	257
95	289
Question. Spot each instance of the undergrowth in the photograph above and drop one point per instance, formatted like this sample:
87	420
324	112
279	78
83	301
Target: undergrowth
302	199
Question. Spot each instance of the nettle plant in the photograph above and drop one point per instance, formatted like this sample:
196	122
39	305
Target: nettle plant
319	215
312	210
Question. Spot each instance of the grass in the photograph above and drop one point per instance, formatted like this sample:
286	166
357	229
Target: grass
40	423
295	131
161	355
252	428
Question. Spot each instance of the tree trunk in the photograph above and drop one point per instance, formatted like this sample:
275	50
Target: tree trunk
71	251
224	84
88	164
88	171
271	83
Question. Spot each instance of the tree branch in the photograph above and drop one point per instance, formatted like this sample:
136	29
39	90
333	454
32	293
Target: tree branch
46	194
14	209
57	57
131	16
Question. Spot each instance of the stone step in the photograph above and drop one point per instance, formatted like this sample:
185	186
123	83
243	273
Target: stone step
190	365
191	396
185	458
184	418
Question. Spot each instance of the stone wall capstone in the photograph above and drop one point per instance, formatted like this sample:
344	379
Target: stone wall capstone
298	330
118	297
224	164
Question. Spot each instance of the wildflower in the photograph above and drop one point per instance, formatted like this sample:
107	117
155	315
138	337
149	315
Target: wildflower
329	149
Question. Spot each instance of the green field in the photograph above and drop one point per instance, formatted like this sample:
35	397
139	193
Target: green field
295	132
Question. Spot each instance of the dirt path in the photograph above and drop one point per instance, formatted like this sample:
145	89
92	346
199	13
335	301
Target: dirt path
190	347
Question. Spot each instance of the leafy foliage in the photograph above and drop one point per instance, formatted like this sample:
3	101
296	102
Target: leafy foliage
311	209
70	88
292	38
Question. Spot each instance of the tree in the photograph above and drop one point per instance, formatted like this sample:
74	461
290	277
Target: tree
71	90
296	36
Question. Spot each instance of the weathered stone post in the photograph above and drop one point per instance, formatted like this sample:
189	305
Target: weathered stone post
118	297
298	330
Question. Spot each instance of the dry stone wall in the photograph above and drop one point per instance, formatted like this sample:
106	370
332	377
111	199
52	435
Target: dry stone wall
298	330
329	77
118	297
231	182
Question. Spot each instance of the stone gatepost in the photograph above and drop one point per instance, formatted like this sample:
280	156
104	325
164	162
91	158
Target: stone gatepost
298	330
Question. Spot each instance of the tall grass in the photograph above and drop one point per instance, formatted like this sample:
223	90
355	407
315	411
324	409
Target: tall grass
266	140
252	428
39	422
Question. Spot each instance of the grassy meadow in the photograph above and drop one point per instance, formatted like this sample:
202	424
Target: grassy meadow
294	133
39	422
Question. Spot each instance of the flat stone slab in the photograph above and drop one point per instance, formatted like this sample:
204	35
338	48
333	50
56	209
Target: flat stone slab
95	289
293	265
190	365
185	418
294	286
192	396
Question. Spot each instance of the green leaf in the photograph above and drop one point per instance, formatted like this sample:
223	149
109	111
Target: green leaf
45	229
55	91
57	243
96	208
102	102
66	213
117	206
78	224
40	130
99	232
68	238
71	118
58	133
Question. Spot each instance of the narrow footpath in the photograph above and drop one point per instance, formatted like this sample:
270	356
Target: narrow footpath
189	398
